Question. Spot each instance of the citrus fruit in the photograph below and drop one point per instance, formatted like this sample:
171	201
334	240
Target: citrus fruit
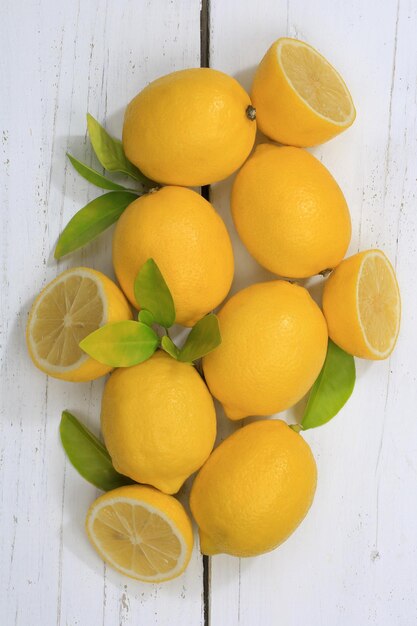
289	212
361	303
188	241
254	490
141	532
68	309
274	341
192	127
300	99
158	421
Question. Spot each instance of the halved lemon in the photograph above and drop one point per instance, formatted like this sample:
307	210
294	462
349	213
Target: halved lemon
141	532
300	99
362	306
68	309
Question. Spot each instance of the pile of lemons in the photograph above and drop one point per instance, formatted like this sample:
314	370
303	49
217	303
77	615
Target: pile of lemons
190	128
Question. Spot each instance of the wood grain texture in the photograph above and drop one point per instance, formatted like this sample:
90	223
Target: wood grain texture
58	61
353	560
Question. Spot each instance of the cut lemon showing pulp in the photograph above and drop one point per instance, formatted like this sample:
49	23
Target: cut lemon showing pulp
361	303
141	532
300	99
71	307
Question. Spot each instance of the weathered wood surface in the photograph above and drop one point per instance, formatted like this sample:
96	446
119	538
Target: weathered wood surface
60	60
354	560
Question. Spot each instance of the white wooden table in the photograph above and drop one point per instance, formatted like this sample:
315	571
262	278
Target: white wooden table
354	560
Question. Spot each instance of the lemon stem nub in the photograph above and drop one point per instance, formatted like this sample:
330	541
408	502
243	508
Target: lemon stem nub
325	273
251	113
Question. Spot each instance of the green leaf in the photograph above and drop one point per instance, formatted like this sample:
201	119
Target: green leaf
146	317
93	176
121	344
169	346
110	153
92	220
332	388
203	338
152	293
88	455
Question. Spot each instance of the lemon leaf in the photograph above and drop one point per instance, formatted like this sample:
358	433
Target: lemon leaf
121	344
110	153
203	338
88	455
93	176
153	294
146	317
169	346
332	388
92	220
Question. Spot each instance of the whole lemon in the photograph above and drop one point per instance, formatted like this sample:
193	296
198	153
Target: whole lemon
290	212
192	127
158	421
189	242
274	341
254	490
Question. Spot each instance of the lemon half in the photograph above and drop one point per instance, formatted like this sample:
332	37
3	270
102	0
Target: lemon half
141	532
68	309
300	99
362	306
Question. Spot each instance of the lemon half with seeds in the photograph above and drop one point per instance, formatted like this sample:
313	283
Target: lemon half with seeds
361	303
68	309
141	532
300	99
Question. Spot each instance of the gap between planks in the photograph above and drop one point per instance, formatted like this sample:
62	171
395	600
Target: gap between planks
205	192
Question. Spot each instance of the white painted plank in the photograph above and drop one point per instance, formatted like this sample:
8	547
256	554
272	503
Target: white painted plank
353	560
59	60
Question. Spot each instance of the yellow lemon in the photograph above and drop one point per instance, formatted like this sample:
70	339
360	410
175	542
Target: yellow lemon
361	303
189	242
158	421
300	99
274	342
192	127
289	212
254	490
71	307
141	532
